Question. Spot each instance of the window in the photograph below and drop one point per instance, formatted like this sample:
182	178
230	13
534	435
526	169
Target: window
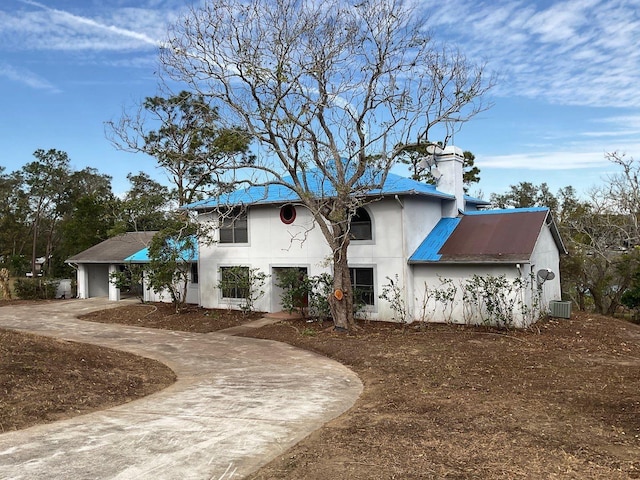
362	283
194	273
233	227
234	282
361	225
288	214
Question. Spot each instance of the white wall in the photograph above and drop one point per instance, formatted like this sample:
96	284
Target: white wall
545	255
193	294
458	311
272	244
82	276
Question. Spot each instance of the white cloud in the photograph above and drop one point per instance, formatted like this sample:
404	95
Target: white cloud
36	26
548	160
26	77
570	52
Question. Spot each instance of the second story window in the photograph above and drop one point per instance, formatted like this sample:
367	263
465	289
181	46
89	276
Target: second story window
361	225
233	227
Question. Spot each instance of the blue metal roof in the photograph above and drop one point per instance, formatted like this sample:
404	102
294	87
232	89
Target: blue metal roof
431	245
142	256
320	186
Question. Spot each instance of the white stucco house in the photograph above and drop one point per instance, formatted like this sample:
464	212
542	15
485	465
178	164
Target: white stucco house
434	238
451	259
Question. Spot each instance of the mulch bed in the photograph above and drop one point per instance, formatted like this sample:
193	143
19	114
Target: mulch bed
162	315
559	401
43	380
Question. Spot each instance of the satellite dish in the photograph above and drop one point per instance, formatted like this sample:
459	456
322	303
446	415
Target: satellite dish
545	274
427	162
434	149
436	173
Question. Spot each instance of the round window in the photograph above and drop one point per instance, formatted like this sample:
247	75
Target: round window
288	214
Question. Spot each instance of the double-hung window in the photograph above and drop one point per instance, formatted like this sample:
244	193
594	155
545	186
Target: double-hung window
233	227
362	283
234	282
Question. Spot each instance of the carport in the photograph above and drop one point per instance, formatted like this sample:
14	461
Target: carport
95	264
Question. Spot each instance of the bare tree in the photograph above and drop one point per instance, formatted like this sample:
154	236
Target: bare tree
604	237
330	91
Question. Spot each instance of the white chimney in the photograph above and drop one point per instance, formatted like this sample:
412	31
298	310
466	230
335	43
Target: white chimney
450	164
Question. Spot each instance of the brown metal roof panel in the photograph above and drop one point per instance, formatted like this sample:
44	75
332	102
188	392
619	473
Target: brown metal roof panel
497	235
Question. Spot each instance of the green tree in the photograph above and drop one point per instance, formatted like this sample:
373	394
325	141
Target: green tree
171	252
88	215
331	87
604	236
14	223
145	206
45	182
527	194
189	144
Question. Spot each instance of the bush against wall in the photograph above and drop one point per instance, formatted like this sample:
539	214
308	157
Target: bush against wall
497	301
130	279
485	299
249	282
35	288
308	295
394	293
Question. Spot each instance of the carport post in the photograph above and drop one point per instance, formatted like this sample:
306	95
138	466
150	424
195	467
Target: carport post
114	292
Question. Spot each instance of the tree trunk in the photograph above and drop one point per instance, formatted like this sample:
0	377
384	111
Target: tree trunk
34	246
342	305
598	301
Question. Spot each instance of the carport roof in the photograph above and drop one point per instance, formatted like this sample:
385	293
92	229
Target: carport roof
114	250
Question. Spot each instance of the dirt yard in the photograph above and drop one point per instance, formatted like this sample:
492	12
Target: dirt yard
443	402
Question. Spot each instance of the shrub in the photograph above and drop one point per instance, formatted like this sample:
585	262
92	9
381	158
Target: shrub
35	288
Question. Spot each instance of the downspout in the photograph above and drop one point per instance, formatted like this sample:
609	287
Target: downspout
408	286
75	267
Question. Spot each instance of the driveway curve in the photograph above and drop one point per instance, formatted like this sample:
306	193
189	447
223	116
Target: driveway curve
237	404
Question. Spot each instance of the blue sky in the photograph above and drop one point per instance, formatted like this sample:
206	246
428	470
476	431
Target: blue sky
568	89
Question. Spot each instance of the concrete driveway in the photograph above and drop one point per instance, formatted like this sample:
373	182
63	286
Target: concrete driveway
237	404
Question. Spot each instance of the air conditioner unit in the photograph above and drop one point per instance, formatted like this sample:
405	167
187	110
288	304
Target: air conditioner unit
560	309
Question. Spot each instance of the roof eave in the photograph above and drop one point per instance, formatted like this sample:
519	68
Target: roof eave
470	262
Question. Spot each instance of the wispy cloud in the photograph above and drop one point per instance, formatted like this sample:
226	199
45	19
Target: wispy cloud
27	78
547	160
571	52
39	27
